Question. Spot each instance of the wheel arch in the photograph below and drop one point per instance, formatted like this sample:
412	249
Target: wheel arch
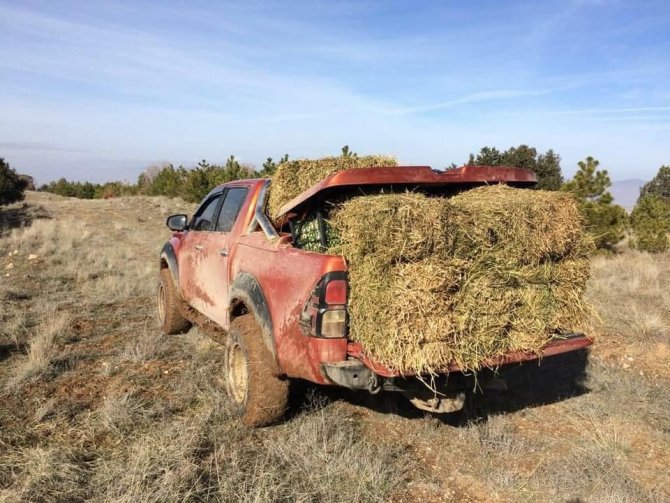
168	260
247	297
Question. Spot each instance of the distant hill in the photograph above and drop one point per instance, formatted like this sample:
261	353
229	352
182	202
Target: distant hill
626	192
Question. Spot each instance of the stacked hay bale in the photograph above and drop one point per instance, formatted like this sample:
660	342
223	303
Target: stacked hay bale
436	281
292	178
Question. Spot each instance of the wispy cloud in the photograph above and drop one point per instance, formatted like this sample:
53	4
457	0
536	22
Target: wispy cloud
616	110
479	97
35	146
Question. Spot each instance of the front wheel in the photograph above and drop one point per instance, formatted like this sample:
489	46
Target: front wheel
167	306
259	397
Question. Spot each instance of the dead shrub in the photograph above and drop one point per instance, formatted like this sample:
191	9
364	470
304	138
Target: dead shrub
44	474
122	412
160	465
42	348
142	347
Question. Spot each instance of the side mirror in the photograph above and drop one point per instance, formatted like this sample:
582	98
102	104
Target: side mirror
177	222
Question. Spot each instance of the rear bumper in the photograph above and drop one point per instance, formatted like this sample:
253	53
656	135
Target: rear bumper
564	344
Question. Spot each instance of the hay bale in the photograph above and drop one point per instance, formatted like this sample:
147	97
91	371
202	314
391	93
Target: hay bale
292	178
398	227
436	281
529	226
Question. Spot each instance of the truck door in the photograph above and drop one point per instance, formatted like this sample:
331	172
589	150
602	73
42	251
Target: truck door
218	246
191	252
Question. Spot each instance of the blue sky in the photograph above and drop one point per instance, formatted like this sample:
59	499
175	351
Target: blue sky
101	90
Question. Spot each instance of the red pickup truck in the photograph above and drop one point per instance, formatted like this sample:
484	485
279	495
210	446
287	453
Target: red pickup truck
281	311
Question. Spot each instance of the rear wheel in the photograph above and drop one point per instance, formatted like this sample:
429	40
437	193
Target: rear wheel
167	306
259	397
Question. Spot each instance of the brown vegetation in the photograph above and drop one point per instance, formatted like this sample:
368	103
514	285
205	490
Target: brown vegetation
96	405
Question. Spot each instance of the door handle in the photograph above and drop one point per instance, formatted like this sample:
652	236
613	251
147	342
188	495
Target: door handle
223	252
199	247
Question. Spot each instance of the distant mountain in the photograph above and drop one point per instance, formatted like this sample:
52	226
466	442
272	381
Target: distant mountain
626	192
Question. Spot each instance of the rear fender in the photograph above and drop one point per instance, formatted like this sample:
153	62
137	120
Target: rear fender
246	292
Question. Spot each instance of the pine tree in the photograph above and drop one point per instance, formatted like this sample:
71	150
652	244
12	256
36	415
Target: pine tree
546	166
269	166
650	221
12	186
605	220
659	185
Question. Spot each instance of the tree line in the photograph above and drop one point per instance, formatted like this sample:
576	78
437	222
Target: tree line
648	225
191	184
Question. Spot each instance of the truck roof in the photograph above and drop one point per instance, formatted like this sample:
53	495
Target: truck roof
411	177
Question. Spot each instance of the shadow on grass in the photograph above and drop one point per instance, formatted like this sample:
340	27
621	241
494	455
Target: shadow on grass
7	349
19	215
529	385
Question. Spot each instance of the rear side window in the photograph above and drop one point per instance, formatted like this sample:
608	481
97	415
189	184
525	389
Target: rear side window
205	218
231	207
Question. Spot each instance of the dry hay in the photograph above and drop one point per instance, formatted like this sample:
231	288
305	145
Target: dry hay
292	178
436	281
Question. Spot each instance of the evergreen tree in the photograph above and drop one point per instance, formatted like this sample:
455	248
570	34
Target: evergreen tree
548	170
12	186
269	166
605	220
546	166
488	156
198	183
650	221
659	185
168	182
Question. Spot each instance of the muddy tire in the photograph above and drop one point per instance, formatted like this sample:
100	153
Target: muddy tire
170	319
257	395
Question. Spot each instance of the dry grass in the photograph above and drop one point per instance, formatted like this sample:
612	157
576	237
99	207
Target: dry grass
121	412
144	347
133	416
631	293
42	348
14	321
44	474
500	447
161	465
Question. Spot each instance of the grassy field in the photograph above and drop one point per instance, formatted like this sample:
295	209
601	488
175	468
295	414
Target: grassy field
96	405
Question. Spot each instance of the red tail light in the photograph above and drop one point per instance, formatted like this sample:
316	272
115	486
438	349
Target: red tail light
325	313
336	292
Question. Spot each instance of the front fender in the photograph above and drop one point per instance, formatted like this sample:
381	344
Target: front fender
168	255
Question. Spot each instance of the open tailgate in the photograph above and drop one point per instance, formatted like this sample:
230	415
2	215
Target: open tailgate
558	345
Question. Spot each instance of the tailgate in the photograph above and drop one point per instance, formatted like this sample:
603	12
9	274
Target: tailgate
559	344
